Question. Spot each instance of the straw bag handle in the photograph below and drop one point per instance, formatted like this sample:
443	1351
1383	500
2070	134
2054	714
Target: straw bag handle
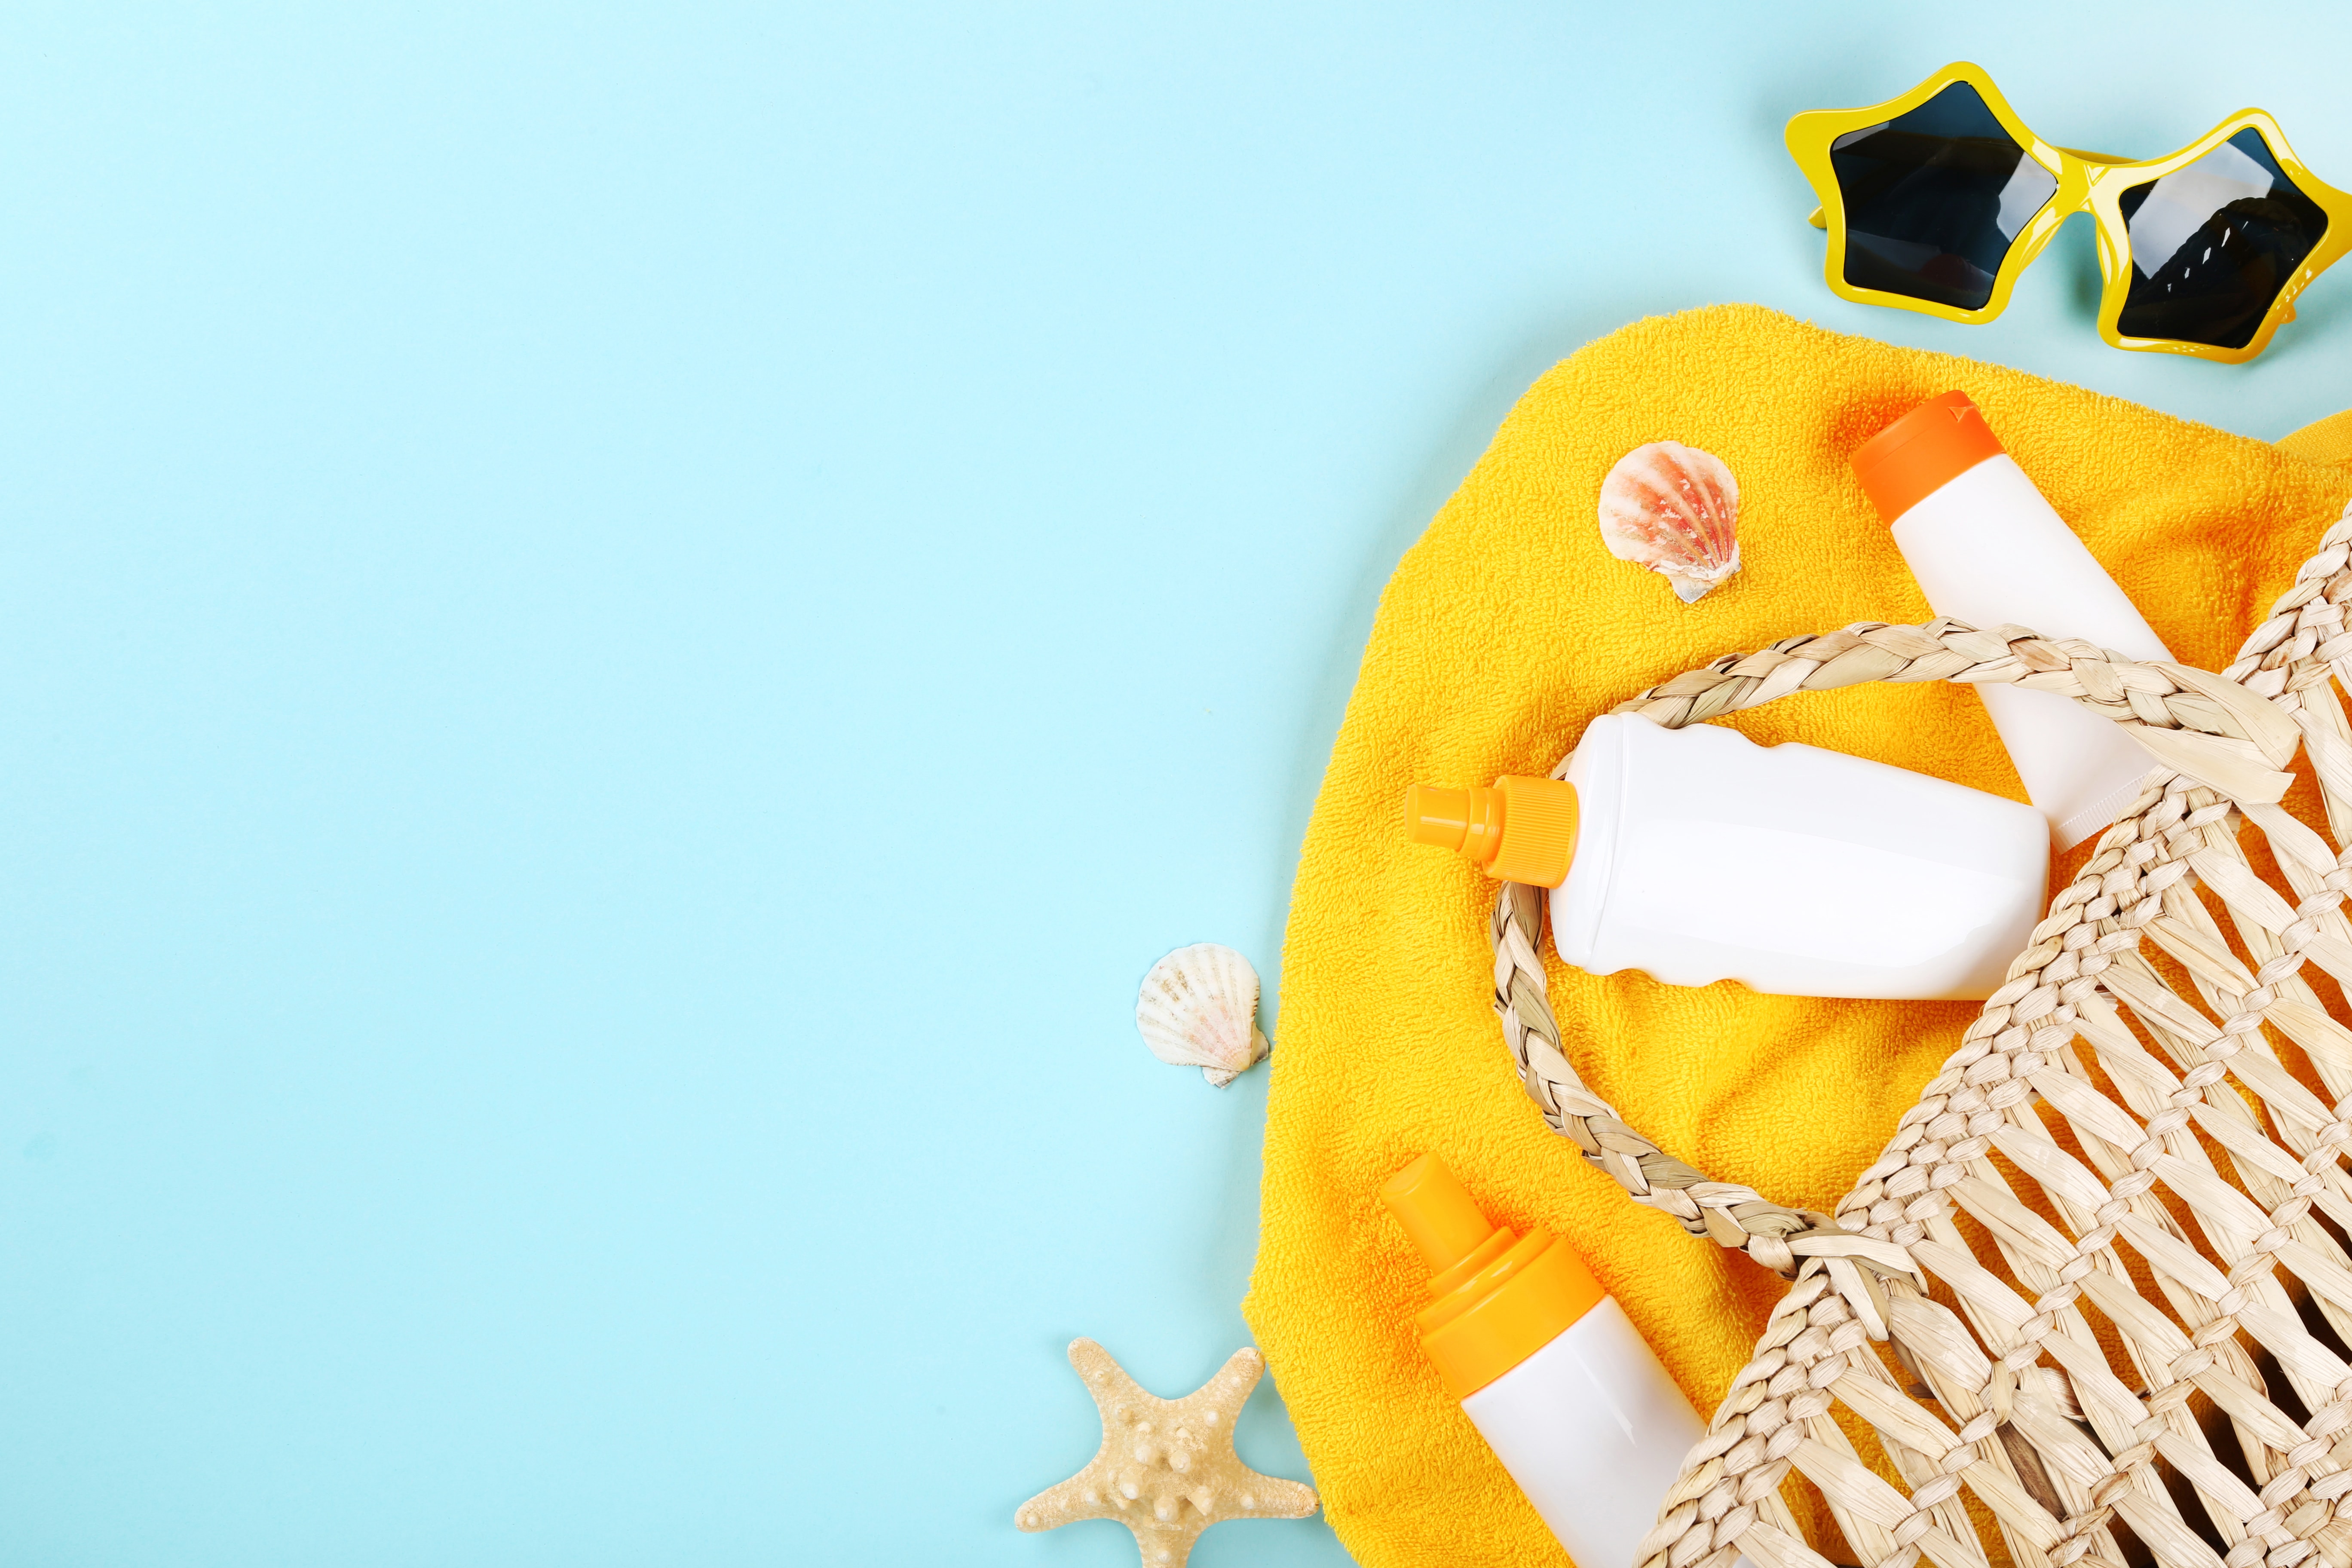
2218	731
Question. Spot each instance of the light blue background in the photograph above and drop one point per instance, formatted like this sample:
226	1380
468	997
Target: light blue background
623	630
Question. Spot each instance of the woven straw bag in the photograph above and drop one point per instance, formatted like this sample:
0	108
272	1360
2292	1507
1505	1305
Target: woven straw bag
2099	1278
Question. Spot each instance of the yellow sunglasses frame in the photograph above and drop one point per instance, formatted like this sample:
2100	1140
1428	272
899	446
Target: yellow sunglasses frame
2087	182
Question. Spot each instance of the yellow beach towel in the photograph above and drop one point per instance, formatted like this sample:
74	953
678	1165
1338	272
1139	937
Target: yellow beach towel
1505	629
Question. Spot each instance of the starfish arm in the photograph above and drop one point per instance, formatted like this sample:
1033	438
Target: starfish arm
1065	1504
1230	1389
1273	1498
1104	1379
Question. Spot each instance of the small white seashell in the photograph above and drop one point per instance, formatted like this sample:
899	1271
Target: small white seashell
1199	1008
1674	509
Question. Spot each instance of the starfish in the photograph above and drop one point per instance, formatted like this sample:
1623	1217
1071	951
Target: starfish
1167	1469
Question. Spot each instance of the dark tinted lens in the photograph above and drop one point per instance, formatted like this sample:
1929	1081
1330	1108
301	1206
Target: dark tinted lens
1934	199
2212	243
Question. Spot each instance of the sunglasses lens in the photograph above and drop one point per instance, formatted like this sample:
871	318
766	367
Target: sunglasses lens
1934	199
2212	243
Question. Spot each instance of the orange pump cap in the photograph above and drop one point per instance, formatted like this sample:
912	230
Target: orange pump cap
1920	453
1437	1212
1521	830
1498	1298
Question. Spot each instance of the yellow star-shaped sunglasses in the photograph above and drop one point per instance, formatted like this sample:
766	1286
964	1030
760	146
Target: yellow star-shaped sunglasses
1936	200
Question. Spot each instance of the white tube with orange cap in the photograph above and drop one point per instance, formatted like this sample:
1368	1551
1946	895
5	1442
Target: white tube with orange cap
1548	1367
1987	549
1694	856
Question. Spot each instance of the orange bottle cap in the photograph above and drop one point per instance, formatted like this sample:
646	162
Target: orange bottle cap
1522	830
1920	453
1497	1299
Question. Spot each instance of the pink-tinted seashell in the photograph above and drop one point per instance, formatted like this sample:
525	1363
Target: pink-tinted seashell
1675	509
1199	1008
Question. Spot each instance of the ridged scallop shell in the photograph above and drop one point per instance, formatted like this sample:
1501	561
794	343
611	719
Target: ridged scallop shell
1674	509
1199	1008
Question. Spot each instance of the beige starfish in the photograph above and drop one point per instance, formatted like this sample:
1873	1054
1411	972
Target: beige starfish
1167	1469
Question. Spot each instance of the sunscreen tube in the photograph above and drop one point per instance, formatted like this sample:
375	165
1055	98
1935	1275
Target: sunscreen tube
1547	1368
1987	549
1695	855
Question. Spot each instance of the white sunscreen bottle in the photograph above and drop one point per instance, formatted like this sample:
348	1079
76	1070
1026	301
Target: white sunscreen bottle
1548	1367
1694	855
1987	549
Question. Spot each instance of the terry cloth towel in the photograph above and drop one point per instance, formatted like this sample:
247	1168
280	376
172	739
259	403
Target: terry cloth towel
1502	632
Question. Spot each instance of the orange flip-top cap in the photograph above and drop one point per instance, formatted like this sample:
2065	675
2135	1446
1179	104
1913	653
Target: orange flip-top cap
1920	453
1521	830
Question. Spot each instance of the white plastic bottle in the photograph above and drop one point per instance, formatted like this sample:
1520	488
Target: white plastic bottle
1695	855
1548	1367
1987	549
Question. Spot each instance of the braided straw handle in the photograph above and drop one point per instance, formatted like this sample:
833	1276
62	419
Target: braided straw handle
2217	731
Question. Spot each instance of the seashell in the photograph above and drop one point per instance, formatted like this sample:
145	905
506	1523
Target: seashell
1199	1008
1674	509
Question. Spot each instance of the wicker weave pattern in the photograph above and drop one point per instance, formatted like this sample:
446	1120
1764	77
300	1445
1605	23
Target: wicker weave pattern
2016	1402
